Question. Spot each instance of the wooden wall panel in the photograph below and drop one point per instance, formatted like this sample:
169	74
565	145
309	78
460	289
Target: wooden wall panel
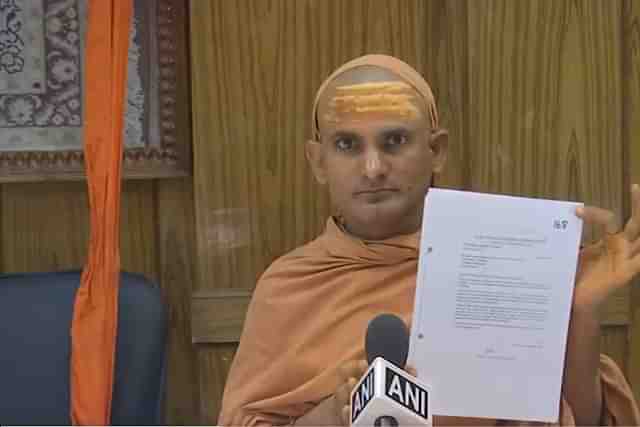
214	363
176	235
546	103
219	316
446	65
138	243
177	254
256	66
546	99
631	138
45	226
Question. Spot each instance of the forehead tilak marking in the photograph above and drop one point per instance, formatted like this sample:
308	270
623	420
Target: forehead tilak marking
384	98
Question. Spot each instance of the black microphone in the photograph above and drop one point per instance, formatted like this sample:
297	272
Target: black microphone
387	337
387	395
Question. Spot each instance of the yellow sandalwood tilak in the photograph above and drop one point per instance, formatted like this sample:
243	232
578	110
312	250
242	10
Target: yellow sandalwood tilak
387	98
407	74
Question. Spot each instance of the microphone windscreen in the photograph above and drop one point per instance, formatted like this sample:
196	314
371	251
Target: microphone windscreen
387	337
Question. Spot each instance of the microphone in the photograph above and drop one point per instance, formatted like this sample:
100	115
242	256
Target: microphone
387	337
386	395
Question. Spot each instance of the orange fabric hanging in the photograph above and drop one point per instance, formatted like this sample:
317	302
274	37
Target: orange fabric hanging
95	316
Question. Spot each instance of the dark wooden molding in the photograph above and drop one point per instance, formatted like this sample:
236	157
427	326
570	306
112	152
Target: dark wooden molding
218	316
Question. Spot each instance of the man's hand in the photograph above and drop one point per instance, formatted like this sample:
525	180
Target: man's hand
349	374
613	261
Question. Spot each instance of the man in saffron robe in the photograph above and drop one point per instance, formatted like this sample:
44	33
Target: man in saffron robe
376	146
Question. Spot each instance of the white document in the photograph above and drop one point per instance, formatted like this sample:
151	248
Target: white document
493	300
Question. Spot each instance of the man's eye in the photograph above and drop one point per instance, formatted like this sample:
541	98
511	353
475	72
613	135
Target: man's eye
397	139
345	144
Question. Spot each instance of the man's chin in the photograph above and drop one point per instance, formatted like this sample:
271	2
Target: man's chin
381	225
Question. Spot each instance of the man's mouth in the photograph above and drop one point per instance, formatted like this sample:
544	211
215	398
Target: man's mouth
376	191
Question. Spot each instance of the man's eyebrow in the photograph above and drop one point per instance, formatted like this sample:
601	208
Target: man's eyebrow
384	131
344	134
394	130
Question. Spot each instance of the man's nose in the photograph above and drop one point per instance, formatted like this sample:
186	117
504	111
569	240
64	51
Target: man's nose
376	165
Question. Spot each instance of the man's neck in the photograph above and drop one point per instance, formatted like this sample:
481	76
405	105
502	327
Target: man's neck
372	237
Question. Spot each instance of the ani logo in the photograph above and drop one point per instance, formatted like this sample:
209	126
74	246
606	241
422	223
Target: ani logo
406	393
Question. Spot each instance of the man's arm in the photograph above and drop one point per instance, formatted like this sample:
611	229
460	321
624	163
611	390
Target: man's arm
607	267
582	386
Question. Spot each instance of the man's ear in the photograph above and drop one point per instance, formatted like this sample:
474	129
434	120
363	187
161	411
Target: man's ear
439	144
315	156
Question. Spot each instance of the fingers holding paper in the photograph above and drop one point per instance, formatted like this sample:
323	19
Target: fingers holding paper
613	261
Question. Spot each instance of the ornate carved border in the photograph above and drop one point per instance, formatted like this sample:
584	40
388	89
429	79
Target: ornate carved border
167	152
